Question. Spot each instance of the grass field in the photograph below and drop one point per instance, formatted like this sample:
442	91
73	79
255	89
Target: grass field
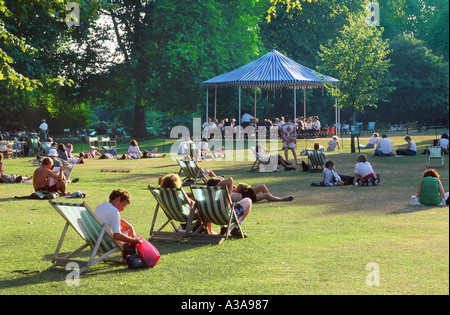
320	243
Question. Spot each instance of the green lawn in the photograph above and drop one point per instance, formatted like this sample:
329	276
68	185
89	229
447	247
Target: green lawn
320	243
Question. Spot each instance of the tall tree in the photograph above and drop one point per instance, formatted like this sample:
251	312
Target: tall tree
169	47
358	58
421	81
13	39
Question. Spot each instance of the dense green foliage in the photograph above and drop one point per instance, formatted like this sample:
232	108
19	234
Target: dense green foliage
130	59
358	57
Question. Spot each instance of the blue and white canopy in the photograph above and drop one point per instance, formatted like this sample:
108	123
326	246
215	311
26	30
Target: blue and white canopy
272	71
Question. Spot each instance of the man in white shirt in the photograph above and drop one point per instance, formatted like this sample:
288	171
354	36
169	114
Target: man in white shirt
44	129
109	213
384	146
246	119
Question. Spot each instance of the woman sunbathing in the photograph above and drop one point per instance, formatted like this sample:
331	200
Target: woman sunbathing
242	191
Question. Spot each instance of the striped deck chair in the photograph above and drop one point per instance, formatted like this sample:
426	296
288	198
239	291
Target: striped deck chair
315	160
261	158
94	234
214	205
172	202
193	172
35	145
434	153
255	165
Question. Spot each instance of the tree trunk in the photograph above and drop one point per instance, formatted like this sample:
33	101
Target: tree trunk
139	125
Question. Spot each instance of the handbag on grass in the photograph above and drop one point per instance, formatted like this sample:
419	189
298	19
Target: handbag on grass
148	252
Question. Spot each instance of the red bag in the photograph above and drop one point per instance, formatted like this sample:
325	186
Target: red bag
148	252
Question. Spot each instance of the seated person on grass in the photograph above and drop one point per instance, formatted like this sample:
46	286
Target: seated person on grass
430	191
333	144
364	174
331	178
384	147
42	175
443	143
410	149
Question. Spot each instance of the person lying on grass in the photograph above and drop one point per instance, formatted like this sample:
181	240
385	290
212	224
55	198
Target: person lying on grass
331	178
261	151
242	191
13	178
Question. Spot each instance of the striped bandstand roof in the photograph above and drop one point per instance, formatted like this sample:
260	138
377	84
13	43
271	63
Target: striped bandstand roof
272	71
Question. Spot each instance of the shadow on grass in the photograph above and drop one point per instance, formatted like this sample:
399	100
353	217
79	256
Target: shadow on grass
411	209
34	277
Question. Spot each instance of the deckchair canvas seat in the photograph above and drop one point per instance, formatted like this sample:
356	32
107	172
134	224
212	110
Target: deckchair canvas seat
261	158
214	205
95	235
192	171
172	201
434	153
315	160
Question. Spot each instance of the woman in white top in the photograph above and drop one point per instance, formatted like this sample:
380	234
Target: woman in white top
364	173
373	141
333	144
133	150
443	143
410	149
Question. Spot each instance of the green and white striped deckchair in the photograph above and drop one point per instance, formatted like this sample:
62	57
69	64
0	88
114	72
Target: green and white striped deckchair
214	205
315	160
193	172
174	203
435	153
35	145
95	235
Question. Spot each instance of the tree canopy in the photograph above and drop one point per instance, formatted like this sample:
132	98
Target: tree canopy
129	62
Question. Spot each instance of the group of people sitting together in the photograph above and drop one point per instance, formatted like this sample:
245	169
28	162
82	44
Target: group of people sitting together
384	147
243	195
430	191
302	124
53	175
134	152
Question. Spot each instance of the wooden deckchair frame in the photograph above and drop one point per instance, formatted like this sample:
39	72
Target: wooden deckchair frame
170	202
104	246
